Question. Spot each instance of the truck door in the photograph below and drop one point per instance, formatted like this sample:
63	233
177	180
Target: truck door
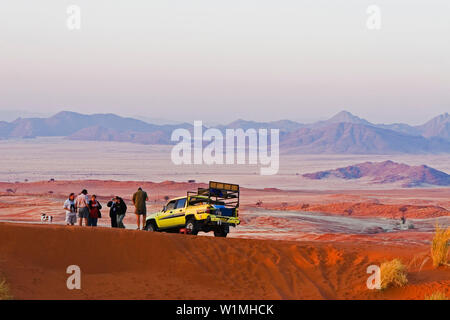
165	217
179	212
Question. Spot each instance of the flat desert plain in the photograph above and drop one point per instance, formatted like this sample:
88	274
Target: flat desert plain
45	158
299	238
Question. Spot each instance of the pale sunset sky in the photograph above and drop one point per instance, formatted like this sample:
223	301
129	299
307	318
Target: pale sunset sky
218	61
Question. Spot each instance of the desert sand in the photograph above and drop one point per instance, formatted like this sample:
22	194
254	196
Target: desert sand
297	244
28	197
128	264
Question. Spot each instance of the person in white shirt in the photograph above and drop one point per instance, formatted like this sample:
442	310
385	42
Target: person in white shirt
71	210
81	202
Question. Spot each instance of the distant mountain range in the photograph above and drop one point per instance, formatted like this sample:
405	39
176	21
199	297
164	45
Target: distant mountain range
101	127
352	138
387	172
344	133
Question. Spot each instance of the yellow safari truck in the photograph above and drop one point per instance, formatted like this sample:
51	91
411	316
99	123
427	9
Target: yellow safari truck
215	208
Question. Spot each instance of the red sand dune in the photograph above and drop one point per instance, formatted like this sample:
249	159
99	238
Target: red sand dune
374	210
125	264
387	172
105	188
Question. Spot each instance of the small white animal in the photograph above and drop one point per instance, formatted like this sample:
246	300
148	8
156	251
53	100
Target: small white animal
45	217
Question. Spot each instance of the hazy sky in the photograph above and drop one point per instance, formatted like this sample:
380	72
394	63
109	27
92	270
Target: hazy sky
217	60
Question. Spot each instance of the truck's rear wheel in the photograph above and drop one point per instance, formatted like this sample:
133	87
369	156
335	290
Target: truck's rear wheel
191	227
221	232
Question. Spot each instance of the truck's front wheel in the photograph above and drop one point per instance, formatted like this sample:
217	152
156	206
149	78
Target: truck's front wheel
191	227
150	226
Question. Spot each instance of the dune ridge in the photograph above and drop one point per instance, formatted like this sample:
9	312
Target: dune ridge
125	264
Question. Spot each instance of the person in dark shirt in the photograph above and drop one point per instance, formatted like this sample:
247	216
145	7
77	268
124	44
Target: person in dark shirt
94	211
139	199
117	212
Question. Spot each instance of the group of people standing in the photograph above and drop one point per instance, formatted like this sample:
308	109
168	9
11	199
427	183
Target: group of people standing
88	209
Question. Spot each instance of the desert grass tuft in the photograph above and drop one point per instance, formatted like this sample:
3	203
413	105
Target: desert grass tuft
4	290
393	274
439	246
437	295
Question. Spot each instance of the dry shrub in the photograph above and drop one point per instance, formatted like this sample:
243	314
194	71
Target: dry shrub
4	290
393	274
437	295
439	246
